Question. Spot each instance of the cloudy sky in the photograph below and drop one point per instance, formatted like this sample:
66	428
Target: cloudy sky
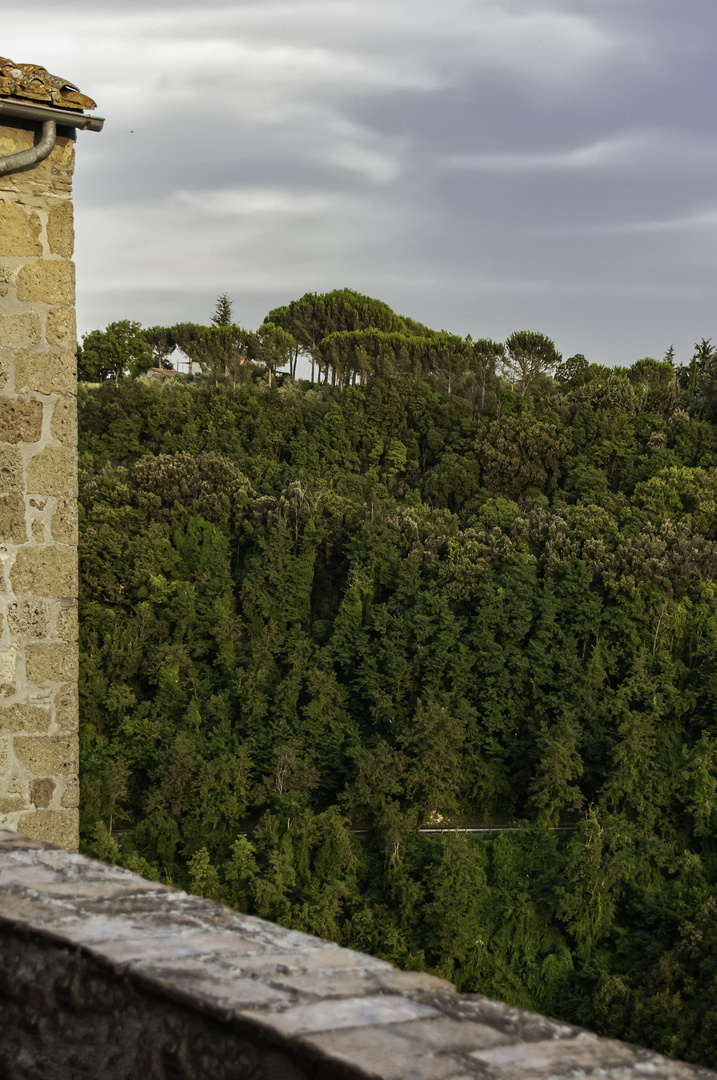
481	165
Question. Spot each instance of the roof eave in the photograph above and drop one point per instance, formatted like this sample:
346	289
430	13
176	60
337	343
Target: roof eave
27	110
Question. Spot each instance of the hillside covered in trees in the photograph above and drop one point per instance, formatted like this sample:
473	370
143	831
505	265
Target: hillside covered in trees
449	580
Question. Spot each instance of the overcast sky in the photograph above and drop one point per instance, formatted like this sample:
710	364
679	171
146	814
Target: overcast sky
481	165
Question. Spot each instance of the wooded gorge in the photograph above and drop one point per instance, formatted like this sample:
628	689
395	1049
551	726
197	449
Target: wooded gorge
455	581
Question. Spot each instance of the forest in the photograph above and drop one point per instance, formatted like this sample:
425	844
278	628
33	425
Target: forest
443	581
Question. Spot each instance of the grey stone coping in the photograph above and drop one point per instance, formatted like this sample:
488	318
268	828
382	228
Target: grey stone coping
106	974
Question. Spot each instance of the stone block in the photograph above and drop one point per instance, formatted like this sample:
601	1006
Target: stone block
10	469
41	791
51	663
47	755
20	331
12	519
207	984
48	571
20	420
349	1013
62	158
14	139
557	1057
380	1052
49	281
318	963
3	755
10	804
53	472
63	425
38	532
60	229
64	522
67	708
31	718
29	618
8	271
67	625
20	230
71	795
8	668
59	827
444	1033
61	328
52	372
7	361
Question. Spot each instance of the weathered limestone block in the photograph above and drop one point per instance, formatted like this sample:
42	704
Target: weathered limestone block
20	229
67	626
26	718
63	425
64	521
61	328
11	470
53	471
10	804
60	230
67	708
52	663
51	372
50	281
42	790
45	571
30	618
61	825
70	798
9	656
20	420
46	755
13	527
21	330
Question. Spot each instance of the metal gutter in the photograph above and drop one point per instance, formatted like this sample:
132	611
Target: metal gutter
49	118
42	113
24	158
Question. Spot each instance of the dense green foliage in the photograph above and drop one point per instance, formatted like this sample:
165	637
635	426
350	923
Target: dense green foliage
307	608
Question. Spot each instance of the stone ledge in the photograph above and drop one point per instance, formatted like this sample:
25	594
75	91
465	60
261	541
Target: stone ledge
107	974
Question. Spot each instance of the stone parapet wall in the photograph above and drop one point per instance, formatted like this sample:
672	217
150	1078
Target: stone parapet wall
38	494
104	974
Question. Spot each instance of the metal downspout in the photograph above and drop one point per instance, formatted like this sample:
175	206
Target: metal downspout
15	162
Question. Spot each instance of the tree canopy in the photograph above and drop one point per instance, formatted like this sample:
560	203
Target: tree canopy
454	582
120	349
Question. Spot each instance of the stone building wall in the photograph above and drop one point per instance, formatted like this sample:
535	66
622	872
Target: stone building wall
38	494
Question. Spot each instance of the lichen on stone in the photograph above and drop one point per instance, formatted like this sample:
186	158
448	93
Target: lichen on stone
35	83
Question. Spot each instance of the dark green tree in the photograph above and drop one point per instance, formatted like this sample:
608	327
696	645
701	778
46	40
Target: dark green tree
119	350
223	311
529	355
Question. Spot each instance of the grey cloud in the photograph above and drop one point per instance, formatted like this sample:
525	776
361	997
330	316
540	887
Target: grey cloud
479	164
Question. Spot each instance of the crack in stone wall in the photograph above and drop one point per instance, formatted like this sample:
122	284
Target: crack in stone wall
38	494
